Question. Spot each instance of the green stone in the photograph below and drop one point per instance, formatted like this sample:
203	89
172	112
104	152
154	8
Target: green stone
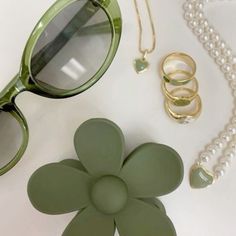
200	178
167	80
141	65
181	102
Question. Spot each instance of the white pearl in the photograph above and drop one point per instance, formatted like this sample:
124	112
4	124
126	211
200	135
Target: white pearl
233	59
233	84
219	174
215	53
188	6
226	68
204	38
204	23
221	45
219	171
189	15
231	129
229	154
211	149
220	60
198	31
215	37
193	24
233	147
209	45
218	143
199	5
204	157
225	162
225	137
231	76
199	15
210	30
227	52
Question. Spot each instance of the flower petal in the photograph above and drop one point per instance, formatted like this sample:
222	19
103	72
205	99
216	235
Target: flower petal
74	163
89	222
140	218
99	144
152	170
156	202
58	189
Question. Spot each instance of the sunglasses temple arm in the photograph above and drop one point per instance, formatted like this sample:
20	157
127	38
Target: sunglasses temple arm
44	56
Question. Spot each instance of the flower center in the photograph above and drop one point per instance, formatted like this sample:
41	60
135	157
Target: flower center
109	194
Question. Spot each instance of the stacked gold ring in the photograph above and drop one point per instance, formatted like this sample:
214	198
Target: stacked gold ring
175	86
181	100
187	60
184	117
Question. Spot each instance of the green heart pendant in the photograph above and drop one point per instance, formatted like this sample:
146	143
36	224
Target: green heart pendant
200	177
140	65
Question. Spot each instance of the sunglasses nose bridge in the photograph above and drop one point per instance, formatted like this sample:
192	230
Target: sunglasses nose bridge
9	93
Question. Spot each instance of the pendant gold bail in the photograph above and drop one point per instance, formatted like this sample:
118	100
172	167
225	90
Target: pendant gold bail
145	53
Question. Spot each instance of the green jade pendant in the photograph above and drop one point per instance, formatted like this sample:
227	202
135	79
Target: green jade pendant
200	177
141	64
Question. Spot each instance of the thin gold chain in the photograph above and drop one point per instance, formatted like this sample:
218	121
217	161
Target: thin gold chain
141	49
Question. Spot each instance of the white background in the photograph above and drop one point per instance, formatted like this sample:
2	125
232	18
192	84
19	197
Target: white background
135	103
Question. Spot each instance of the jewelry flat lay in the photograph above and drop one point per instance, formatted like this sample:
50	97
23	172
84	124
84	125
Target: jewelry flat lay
141	64
180	88
57	63
85	176
222	54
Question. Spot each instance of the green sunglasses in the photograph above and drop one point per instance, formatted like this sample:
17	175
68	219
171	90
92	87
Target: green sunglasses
69	50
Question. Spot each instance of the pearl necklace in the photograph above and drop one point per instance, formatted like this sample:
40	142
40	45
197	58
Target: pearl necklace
225	143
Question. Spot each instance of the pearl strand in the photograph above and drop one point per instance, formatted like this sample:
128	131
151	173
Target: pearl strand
224	58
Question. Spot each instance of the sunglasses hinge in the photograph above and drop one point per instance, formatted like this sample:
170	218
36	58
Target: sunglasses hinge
14	88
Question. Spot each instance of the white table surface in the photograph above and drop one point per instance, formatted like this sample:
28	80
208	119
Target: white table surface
135	103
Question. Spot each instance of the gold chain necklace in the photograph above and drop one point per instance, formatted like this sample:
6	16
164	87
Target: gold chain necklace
141	64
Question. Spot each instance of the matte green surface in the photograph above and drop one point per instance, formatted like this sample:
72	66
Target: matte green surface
199	178
156	202
99	144
73	163
90	223
109	194
152	170
23	81
57	189
142	219
126	199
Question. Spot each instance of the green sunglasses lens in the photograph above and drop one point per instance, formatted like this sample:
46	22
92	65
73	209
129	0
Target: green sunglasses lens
11	138
73	47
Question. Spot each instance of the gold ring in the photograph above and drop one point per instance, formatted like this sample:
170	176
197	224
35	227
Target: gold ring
184	117
168	67
181	96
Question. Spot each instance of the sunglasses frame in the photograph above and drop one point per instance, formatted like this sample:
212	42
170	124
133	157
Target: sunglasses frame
24	80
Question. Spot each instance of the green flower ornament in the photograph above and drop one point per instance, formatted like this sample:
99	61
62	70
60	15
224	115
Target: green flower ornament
108	191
